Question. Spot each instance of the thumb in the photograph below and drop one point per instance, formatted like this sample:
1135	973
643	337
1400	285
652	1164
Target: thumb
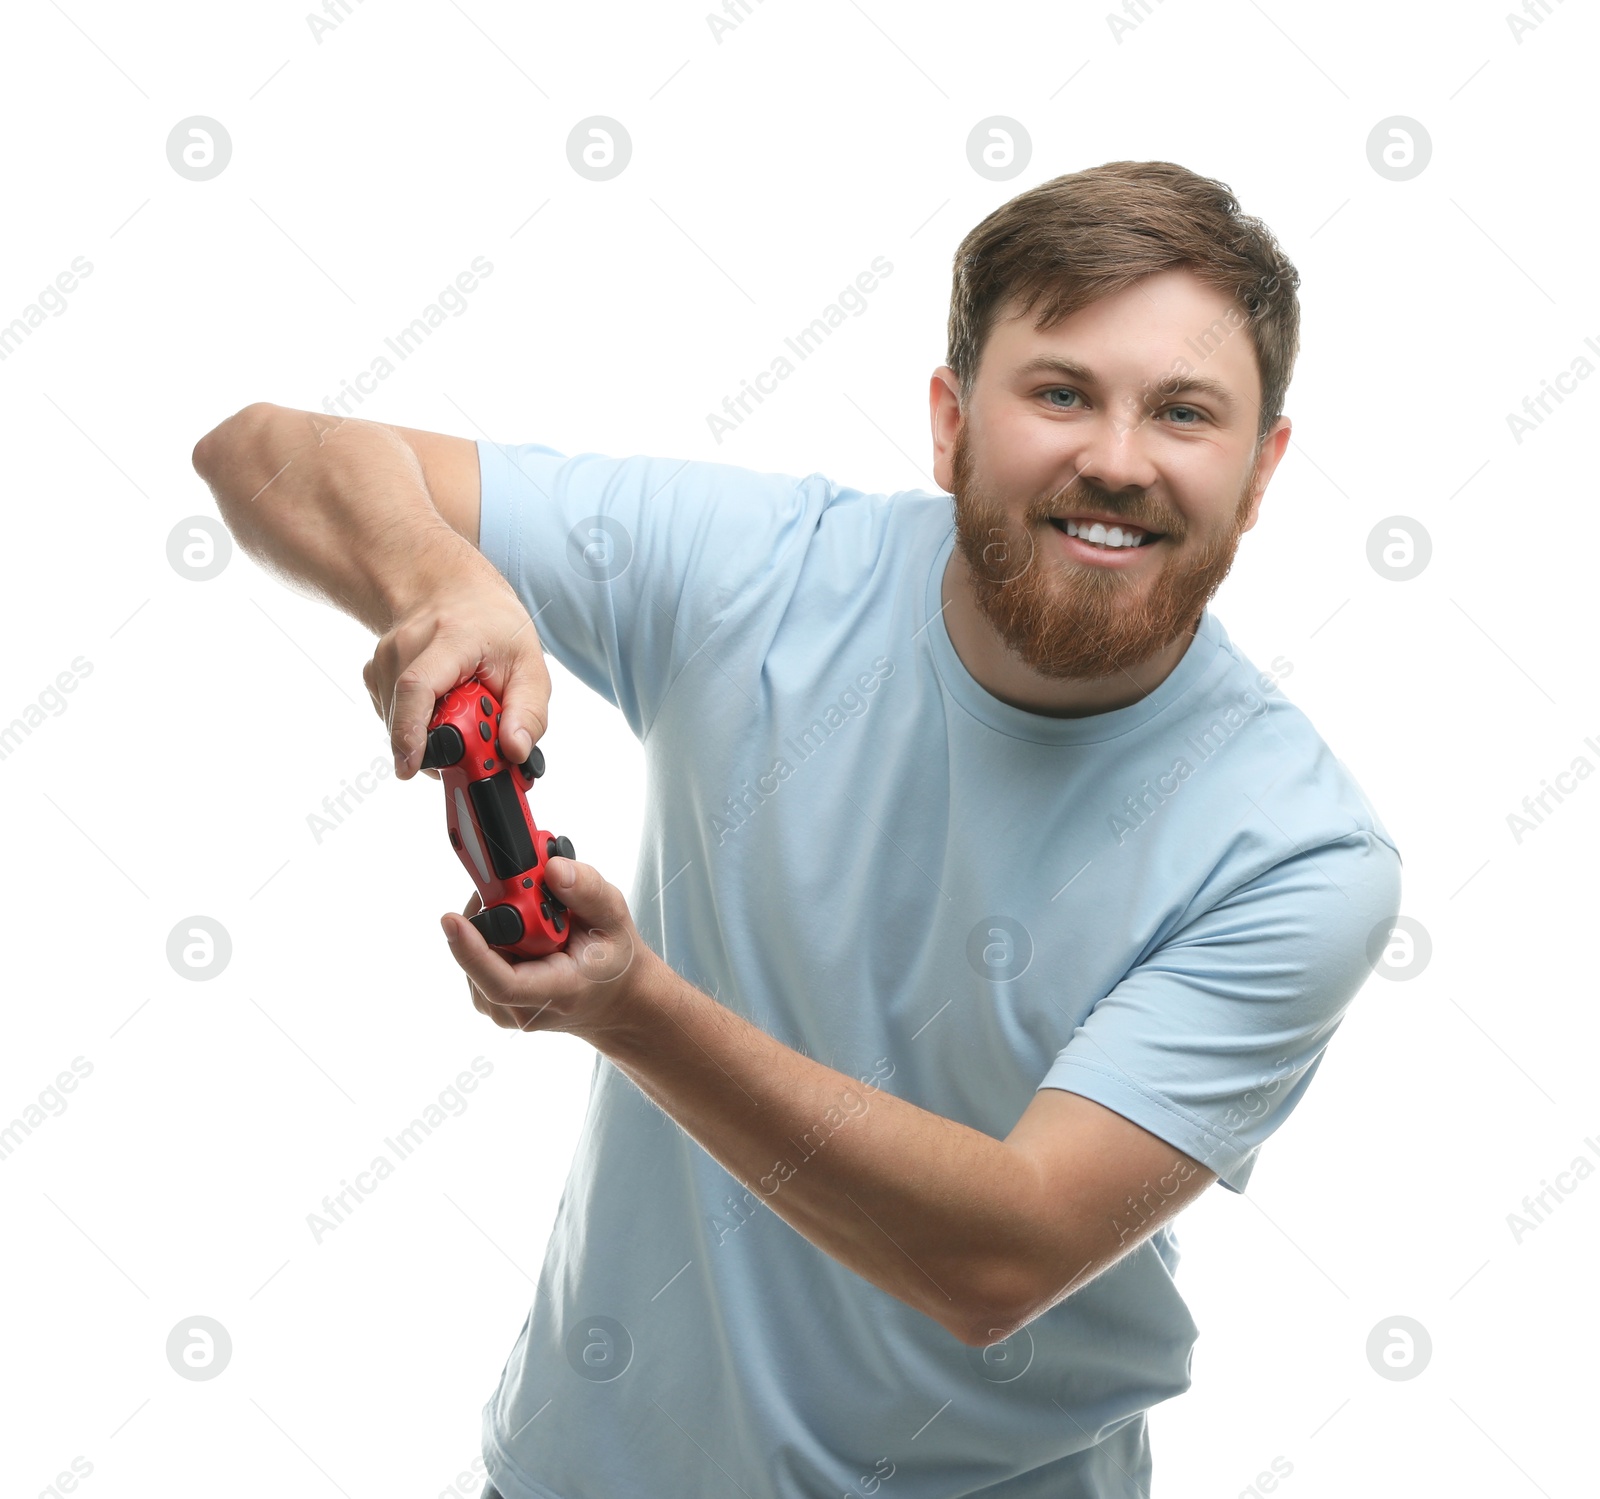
525	708
580	887
608	944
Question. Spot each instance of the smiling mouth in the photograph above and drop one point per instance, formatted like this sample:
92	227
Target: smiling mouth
1128	537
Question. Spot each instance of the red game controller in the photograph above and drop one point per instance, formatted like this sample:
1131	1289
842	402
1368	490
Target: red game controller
491	828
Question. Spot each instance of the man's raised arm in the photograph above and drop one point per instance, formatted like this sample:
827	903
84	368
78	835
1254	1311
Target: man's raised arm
382	523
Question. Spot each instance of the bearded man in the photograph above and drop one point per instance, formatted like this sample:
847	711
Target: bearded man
991	903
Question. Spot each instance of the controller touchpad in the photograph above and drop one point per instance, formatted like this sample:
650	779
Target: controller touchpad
505	829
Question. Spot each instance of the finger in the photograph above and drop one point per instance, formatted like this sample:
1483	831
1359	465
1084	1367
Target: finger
504	1016
496	1013
396	649
523	687
528	985
501	1016
479	1000
526	1021
370	675
417	691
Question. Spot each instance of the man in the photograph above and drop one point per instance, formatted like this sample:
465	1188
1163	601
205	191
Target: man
1029	905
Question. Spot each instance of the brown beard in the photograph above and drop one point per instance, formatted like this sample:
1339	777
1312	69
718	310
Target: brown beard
1080	623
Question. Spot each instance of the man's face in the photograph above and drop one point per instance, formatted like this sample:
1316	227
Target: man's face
1141	408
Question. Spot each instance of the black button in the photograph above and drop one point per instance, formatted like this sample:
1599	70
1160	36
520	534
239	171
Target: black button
526	883
444	748
486	706
485	733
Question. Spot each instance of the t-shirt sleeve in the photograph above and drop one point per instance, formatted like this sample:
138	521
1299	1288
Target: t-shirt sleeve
629	566
1210	1042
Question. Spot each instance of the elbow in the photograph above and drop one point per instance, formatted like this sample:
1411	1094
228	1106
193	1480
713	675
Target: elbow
997	1305
221	445
982	1333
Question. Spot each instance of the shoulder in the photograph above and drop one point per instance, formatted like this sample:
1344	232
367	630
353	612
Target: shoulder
1292	792
1328	778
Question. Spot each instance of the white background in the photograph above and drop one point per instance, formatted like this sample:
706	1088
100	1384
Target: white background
768	169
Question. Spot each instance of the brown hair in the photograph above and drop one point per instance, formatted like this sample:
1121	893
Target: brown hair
1077	238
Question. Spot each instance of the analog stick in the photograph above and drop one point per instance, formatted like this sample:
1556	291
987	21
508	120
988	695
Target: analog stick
500	926
445	747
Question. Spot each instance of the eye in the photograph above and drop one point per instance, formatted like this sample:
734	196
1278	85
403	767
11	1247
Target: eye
1064	390
1188	416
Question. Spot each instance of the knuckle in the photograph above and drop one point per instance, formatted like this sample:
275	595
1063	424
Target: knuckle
386	654
412	633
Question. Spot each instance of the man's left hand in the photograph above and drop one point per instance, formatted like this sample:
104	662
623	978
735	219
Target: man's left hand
588	988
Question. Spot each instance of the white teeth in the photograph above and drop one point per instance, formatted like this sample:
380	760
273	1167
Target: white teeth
1117	536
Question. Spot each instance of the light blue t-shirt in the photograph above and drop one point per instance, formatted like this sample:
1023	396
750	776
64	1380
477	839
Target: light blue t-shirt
1165	908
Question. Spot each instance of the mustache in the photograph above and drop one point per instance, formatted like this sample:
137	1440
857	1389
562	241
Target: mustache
1085	494
1078	494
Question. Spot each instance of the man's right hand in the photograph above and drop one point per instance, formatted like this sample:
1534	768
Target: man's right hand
383	523
471	624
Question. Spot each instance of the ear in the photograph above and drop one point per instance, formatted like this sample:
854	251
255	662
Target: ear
944	416
1270	454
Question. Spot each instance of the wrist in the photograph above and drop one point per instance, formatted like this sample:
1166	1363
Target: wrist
646	997
424	566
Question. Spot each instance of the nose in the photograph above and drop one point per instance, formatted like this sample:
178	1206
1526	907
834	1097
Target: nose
1116	453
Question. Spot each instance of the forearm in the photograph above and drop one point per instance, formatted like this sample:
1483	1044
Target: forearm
336	507
925	1208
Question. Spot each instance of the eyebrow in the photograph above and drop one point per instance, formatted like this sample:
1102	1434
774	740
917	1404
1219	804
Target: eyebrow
1171	385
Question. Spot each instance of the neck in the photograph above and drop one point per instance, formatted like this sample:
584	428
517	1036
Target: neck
1002	675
